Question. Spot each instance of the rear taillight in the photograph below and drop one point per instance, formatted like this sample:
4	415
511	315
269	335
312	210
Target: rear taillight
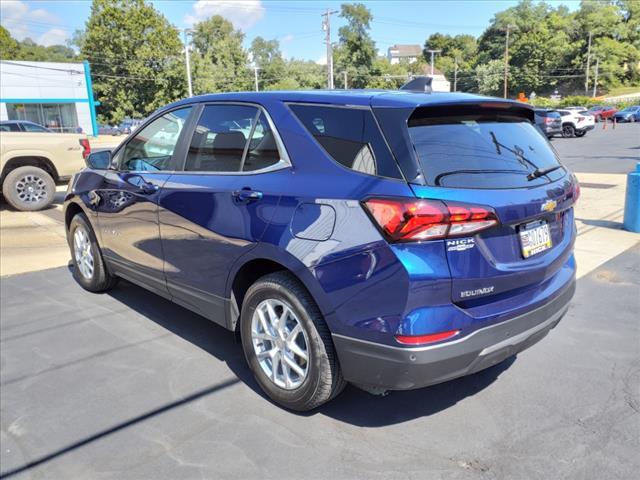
575	189
548	120
423	339
416	220
580	119
86	147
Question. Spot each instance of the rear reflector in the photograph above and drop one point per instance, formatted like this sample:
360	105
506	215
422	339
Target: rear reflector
415	220
423	339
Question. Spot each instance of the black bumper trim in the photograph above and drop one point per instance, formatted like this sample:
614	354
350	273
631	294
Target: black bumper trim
400	368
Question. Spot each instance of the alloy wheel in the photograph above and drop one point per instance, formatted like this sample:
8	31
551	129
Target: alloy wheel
83	252
31	189
280	344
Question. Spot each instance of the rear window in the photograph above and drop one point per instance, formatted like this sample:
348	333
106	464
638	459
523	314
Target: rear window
350	136
546	113
481	151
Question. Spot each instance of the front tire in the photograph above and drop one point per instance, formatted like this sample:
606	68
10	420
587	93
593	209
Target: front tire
89	269
28	188
580	133
288	345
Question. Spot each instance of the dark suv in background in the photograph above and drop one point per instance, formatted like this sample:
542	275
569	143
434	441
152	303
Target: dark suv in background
549	122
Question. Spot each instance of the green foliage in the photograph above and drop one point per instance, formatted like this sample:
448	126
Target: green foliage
578	101
219	59
356	50
135	56
10	49
267	56
8	46
490	77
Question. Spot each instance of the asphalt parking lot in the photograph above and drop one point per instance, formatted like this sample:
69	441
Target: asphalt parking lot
128	385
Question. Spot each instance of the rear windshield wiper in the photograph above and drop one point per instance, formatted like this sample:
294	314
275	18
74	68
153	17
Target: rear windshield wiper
541	172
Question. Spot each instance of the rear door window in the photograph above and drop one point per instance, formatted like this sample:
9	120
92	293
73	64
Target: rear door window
350	136
232	138
481	151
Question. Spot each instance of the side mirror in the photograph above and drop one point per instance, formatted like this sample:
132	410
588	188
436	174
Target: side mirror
99	160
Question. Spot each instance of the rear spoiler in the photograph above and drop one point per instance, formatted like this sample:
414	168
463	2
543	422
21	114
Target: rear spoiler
474	108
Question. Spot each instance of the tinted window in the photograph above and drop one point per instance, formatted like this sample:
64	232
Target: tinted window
263	149
491	151
32	127
151	149
9	127
220	138
351	136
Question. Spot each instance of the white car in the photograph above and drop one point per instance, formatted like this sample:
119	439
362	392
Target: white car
575	123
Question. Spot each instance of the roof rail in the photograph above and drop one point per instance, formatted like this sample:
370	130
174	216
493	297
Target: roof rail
420	84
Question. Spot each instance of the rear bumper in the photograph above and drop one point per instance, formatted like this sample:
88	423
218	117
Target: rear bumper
396	368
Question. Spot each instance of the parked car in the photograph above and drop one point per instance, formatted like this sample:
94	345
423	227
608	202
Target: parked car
549	121
602	113
31	163
109	130
389	240
128	125
574	124
629	114
22	126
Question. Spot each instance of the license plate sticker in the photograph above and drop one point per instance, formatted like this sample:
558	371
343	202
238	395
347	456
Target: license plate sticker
535	238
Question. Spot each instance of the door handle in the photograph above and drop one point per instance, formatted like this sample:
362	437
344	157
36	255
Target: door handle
247	195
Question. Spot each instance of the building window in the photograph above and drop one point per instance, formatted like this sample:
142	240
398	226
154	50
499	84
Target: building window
59	117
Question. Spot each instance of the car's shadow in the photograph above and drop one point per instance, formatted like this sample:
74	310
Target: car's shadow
353	406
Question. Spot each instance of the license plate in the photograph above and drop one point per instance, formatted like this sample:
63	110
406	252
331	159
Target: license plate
535	238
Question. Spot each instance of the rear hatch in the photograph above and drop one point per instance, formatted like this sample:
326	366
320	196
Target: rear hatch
491	157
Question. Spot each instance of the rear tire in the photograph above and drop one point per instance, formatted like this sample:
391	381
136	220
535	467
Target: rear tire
580	133
306	383
89	269
28	188
568	131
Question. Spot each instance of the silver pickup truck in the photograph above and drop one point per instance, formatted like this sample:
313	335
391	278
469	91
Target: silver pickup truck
32	163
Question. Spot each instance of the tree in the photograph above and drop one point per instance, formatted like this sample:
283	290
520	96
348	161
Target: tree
490	77
219	60
135	56
8	46
460	49
356	50
267	57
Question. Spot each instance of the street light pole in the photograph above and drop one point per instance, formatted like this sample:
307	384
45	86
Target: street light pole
326	26
433	52
455	76
255	76
586	80
506	59
187	62
595	81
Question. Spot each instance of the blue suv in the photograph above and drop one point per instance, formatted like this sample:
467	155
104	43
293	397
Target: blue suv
392	240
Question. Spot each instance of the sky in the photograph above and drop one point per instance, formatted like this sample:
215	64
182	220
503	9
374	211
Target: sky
296	24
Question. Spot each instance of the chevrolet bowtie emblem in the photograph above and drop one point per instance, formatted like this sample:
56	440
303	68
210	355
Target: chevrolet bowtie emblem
549	206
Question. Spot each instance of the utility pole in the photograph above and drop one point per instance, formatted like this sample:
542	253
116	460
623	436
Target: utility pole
326	26
455	75
595	82
255	76
586	78
344	76
187	31
506	59
433	52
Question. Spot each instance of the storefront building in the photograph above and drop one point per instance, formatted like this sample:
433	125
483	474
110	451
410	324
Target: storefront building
55	95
